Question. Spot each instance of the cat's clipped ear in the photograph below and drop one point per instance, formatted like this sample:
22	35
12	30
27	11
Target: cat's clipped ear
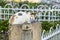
11	20
33	13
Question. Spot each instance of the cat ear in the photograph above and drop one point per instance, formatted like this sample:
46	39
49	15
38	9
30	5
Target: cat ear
33	13
11	20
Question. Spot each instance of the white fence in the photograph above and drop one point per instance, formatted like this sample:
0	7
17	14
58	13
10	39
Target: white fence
44	12
52	34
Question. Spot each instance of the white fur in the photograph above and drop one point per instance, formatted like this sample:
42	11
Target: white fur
26	17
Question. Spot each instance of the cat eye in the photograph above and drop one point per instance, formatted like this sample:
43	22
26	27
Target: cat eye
19	14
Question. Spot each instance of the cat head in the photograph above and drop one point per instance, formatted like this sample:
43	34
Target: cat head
21	14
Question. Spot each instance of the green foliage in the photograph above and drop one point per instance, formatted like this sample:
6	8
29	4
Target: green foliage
3	3
30	4
46	25
33	4
3	25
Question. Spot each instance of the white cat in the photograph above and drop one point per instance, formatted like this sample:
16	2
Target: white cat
21	17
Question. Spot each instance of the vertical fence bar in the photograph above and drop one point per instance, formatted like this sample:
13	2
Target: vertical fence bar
0	12
49	15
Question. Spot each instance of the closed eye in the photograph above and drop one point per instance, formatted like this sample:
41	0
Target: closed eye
19	14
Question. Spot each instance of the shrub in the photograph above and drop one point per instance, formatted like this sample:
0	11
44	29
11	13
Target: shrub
3	3
46	25
3	25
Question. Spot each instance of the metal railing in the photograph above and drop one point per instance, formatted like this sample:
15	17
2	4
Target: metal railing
44	13
53	34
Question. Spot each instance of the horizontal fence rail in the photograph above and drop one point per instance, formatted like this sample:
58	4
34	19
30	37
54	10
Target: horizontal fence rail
44	13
